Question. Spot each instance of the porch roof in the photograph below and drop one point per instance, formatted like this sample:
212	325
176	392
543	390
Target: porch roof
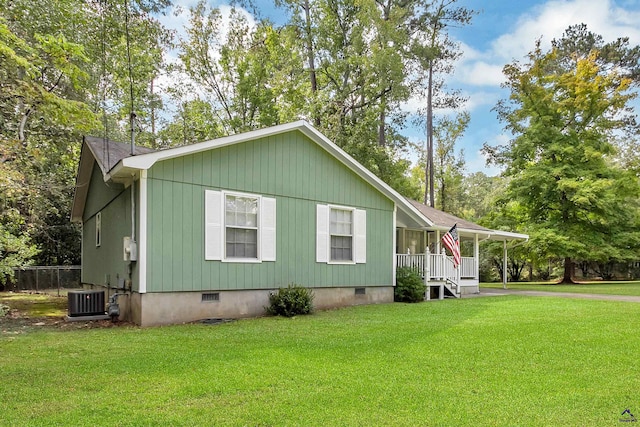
444	221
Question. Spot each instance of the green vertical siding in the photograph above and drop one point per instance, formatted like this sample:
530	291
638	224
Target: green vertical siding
289	167
105	263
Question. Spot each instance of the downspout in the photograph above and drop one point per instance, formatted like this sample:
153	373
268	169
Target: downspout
133	209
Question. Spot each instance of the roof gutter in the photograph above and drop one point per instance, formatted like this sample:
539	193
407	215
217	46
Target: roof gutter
463	230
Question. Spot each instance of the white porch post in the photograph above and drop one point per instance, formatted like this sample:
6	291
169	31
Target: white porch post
437	241
427	272
476	257
504	265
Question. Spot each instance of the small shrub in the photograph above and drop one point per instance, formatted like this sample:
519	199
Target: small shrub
291	301
4	310
409	286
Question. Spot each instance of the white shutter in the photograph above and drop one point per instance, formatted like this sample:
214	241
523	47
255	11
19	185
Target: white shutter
213	214
360	236
322	233
268	229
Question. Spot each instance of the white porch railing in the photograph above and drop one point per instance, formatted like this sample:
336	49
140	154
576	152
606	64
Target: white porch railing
468	268
440	266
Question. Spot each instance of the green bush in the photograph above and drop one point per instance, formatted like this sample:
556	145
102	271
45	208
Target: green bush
291	301
409	286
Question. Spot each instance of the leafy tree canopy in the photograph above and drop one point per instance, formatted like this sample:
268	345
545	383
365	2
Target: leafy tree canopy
565	114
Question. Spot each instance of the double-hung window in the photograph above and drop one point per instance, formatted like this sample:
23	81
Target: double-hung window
341	234
341	231
241	226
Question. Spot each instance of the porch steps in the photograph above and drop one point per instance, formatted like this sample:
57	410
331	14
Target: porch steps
448	289
451	289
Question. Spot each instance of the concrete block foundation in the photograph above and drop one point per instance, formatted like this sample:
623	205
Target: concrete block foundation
165	308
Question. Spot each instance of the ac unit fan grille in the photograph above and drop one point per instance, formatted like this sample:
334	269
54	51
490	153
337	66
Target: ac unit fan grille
86	303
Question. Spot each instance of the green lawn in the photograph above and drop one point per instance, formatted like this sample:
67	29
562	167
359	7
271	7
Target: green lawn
479	361
610	288
35	305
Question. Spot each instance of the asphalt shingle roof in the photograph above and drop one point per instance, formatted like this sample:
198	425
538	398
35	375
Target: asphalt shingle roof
444	219
108	153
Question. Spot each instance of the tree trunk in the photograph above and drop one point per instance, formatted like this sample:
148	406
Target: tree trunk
382	140
154	144
311	56
568	271
428	176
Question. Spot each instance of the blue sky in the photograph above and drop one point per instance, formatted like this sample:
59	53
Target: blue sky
503	31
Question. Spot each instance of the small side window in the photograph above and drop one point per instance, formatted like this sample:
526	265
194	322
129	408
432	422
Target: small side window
98	229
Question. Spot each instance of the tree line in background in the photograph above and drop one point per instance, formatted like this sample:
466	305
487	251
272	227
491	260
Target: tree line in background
75	67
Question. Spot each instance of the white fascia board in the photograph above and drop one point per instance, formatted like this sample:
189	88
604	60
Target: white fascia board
507	235
146	161
466	231
488	234
365	173
121	173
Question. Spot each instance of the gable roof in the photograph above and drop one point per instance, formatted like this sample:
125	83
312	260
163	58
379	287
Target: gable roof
106	154
120	166
109	153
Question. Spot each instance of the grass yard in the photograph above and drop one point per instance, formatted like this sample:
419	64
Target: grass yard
609	288
35	305
505	360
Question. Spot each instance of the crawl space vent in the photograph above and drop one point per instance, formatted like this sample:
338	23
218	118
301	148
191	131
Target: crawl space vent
361	291
215	296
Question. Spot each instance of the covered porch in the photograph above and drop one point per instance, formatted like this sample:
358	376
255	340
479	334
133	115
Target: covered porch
424	253
419	247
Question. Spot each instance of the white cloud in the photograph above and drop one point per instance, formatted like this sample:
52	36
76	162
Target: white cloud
547	21
481	73
481	99
413	104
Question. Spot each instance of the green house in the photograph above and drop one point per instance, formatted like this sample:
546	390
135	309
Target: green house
209	230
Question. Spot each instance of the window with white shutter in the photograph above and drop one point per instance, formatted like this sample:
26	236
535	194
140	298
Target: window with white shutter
239	227
341	234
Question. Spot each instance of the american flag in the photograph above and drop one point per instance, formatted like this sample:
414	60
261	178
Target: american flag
451	241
